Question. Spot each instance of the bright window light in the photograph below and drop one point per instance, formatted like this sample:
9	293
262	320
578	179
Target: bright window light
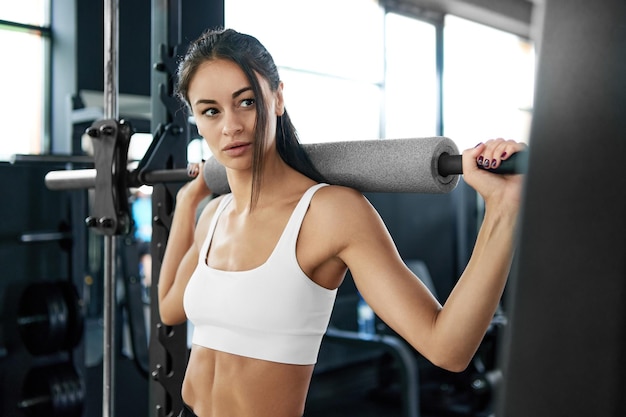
488	83
411	78
23	77
28	12
22	102
333	78
334	37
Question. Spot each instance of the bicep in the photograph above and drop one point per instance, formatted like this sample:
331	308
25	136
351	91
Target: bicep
393	291
171	306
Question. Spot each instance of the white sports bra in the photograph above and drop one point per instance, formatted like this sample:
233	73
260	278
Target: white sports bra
274	312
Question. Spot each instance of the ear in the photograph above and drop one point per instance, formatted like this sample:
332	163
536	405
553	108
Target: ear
280	101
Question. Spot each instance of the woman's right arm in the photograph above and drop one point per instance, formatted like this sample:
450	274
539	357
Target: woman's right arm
181	254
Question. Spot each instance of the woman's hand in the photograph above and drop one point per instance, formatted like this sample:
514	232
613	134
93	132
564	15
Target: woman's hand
196	189
496	189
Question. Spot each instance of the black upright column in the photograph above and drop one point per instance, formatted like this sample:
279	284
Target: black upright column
175	23
565	352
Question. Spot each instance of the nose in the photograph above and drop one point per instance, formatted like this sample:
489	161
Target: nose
232	125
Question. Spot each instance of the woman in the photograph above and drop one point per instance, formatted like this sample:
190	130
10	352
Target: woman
257	274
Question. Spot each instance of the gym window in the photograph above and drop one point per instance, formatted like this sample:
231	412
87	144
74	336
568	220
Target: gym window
411	106
488	83
334	77
24	78
354	70
330	55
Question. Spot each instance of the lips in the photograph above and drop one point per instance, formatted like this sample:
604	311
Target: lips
236	148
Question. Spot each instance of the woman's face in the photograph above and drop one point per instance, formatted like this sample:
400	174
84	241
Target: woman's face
225	109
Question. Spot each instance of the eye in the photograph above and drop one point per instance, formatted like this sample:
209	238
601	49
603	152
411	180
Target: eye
248	102
210	112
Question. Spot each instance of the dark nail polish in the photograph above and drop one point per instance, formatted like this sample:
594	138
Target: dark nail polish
479	143
493	163
480	160
486	163
504	154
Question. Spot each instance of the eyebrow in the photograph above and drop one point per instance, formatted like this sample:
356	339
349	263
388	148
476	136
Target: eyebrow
234	95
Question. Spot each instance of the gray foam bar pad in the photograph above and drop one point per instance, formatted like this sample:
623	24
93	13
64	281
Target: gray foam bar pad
386	165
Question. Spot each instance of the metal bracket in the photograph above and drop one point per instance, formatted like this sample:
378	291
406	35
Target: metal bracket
110	212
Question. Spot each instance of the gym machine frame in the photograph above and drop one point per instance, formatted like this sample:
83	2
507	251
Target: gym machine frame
162	166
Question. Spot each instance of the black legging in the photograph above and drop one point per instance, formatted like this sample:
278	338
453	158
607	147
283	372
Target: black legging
186	412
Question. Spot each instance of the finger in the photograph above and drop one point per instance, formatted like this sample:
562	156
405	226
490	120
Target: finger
497	150
472	157
193	169
485	156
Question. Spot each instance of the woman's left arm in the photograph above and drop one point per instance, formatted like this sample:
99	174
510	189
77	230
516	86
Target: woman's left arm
470	307
450	335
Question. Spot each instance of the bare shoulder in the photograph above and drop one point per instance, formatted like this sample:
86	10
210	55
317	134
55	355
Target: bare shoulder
346	225
338	201
210	207
206	214
343	209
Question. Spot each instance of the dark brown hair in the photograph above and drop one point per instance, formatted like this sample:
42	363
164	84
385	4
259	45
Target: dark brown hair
253	58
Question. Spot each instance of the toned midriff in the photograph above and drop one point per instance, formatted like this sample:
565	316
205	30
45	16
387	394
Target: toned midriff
219	384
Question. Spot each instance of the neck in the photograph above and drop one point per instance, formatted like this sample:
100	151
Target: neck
276	174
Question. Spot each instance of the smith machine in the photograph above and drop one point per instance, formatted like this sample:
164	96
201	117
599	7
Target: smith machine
164	167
